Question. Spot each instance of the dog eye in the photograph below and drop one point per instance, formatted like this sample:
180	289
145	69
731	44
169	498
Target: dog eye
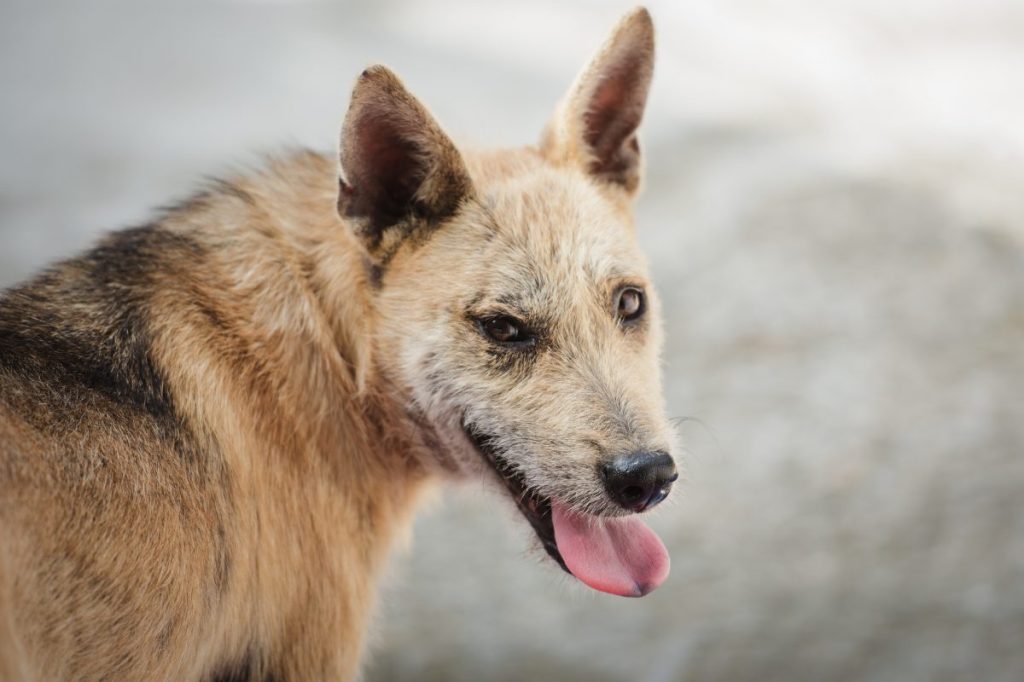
505	329
630	305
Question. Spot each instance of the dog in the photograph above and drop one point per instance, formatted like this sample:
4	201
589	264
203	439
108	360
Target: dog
214	427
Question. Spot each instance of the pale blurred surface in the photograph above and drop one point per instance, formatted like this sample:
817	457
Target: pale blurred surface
835	214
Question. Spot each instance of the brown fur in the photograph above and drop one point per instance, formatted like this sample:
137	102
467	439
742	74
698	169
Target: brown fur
213	428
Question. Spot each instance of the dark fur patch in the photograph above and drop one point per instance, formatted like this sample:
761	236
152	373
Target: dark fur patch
374	273
223	558
81	331
164	638
250	669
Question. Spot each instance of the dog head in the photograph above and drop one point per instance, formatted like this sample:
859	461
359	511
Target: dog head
515	309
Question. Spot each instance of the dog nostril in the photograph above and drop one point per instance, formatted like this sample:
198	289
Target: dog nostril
633	493
640	480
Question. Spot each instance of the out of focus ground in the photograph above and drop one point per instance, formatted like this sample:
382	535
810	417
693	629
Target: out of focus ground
835	213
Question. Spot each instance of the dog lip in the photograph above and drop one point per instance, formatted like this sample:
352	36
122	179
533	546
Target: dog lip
536	509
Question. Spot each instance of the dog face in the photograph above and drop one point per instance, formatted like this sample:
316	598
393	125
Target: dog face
515	309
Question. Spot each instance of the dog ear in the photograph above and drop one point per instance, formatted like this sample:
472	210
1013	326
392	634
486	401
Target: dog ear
398	167
595	125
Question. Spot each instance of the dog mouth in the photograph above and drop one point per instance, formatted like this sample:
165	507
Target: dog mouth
617	555
535	508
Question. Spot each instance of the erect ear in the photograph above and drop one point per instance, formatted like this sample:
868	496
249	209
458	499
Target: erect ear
399	171
595	125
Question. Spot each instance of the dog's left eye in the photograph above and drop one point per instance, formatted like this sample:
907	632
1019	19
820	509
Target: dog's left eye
630	304
504	329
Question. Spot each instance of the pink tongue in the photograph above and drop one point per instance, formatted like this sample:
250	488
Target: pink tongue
616	555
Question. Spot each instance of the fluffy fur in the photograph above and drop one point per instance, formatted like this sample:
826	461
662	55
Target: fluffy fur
213	427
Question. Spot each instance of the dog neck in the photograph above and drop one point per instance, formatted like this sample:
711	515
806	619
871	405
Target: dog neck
280	378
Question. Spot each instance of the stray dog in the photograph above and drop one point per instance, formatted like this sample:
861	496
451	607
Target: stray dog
213	427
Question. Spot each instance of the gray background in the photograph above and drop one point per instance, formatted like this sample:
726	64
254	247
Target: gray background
836	219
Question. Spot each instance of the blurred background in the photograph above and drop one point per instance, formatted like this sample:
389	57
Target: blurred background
835	214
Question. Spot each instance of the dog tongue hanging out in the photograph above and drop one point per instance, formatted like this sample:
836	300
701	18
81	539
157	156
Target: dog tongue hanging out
618	556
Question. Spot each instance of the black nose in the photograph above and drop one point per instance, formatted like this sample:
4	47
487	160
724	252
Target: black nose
640	480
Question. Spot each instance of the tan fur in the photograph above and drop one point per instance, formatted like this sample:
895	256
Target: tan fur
319	370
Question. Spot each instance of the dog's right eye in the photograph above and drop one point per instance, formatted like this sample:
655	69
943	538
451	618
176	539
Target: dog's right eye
504	329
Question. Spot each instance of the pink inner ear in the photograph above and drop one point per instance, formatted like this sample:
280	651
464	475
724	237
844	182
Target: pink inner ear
383	167
612	116
389	158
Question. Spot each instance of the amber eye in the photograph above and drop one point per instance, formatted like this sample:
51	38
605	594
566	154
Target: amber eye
505	329
630	305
